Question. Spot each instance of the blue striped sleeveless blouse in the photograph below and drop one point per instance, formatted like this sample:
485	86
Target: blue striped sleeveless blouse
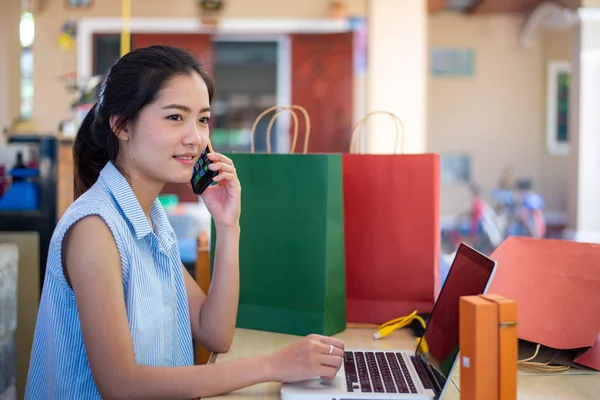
153	284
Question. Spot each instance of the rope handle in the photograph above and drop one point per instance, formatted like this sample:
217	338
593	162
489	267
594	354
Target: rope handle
397	122
272	121
541	366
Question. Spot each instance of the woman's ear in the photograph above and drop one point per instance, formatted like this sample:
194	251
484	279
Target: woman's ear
121	131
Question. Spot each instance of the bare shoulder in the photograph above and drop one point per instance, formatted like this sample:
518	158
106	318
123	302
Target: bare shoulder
89	235
89	249
91	225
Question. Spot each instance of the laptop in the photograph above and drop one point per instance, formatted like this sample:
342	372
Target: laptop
371	374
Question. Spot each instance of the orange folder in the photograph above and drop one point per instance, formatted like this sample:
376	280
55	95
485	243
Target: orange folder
556	284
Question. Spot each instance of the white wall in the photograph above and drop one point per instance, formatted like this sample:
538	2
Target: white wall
397	72
498	114
9	62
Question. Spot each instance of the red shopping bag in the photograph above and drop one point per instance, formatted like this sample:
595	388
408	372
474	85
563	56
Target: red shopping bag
556	285
392	232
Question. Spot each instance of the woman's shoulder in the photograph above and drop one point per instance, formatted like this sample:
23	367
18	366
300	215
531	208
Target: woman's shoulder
95	197
95	201
87	219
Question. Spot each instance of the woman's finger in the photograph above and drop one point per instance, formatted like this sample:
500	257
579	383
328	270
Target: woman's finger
331	361
221	166
331	350
227	176
326	372
333	341
219	157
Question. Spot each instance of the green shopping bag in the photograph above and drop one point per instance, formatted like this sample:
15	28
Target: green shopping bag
292	267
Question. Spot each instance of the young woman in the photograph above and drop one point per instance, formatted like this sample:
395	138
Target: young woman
118	310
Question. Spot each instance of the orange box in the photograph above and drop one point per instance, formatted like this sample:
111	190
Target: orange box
488	348
508	346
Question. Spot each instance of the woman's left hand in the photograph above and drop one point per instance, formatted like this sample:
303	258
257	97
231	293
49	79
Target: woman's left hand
223	200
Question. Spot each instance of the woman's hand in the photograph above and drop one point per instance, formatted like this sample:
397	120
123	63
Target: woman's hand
310	357
223	201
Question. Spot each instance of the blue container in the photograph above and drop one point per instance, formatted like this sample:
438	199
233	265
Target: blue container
23	194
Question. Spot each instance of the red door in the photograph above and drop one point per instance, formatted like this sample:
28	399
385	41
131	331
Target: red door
200	45
322	82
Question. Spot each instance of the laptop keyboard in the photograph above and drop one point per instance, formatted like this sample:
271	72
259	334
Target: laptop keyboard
377	372
420	368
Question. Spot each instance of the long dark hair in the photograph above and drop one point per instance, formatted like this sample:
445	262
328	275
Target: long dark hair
131	83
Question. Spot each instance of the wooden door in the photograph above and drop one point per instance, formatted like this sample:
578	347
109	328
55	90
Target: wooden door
66	176
200	45
323	83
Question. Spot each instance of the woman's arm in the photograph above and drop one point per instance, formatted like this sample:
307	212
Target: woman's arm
213	316
94	269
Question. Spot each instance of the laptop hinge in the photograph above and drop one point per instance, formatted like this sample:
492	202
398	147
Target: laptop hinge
437	385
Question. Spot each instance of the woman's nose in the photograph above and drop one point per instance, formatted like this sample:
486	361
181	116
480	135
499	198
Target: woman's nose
193	136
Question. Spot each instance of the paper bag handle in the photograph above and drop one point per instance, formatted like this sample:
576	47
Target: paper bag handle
306	119
397	122
272	121
541	366
270	126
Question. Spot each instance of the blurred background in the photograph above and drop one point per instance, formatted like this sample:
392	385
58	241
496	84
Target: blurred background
506	91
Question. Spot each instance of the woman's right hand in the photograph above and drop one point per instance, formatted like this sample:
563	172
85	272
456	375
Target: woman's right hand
310	357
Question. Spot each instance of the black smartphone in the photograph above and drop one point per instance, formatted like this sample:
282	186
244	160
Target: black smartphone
202	176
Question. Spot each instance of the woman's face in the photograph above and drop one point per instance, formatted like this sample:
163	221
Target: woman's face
169	134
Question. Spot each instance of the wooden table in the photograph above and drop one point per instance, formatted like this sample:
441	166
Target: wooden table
569	385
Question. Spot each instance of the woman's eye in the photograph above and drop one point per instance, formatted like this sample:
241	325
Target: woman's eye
175	117
204	120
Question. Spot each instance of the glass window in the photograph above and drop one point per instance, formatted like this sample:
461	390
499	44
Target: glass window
246	80
27	36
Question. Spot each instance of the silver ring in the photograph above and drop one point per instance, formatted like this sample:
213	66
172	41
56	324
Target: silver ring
330	348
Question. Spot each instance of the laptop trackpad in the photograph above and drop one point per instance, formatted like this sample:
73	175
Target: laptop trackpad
337	385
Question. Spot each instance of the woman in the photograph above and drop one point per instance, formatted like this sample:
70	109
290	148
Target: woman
118	311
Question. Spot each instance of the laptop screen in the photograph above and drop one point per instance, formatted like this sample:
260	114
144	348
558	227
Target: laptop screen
469	275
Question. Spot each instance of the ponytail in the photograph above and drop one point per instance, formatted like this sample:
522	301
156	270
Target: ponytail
95	145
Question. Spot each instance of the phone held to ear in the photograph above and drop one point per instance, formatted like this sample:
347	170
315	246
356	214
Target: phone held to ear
202	177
